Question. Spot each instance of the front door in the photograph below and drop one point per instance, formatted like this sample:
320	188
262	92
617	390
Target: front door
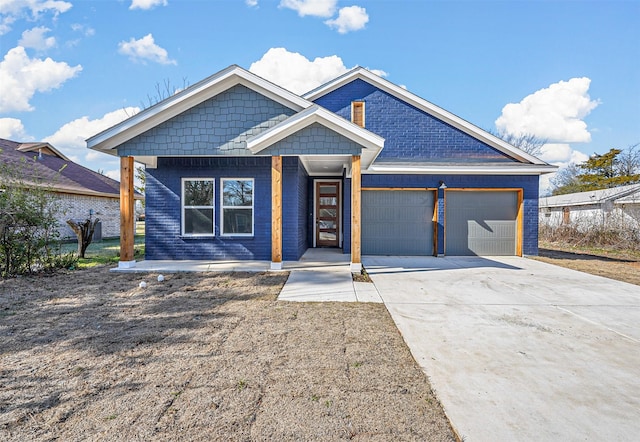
327	214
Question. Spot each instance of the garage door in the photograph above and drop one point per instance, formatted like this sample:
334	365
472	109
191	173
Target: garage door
481	222
397	222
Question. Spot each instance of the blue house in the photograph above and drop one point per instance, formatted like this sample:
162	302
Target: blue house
240	168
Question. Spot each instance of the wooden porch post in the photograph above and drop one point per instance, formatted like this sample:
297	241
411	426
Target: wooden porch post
126	213
276	213
356	263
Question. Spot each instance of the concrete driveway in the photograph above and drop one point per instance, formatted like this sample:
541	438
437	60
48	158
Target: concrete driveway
517	349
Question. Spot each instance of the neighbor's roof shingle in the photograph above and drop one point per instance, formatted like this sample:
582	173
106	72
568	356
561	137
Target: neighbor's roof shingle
592	197
62	174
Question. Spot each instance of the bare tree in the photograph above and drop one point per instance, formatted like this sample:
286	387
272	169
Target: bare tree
566	180
628	161
528	143
163	91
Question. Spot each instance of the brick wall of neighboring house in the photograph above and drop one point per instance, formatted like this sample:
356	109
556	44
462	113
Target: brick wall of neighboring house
78	207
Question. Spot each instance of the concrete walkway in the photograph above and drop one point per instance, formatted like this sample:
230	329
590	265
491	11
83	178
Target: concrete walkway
324	275
517	349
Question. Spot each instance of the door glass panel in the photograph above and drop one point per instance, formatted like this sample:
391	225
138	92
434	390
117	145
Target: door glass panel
328	190
328	201
326	224
327	236
328	213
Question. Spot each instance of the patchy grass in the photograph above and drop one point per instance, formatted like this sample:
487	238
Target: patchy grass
106	251
621	265
89	354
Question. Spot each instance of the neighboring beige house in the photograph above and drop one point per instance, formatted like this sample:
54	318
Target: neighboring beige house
81	192
618	207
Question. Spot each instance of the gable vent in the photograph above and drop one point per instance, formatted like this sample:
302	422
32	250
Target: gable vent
357	113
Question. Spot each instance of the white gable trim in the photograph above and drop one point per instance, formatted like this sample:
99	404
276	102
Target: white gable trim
188	98
372	143
424	105
33	147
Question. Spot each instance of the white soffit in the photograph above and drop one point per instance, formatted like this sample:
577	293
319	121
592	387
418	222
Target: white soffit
422	104
532	169
188	98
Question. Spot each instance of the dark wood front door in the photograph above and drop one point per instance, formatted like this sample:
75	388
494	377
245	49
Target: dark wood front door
327	214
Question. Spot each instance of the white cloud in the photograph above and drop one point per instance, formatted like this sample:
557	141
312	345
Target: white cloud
35	38
11	10
113	174
21	77
145	49
380	73
87	31
70	138
316	8
13	129
561	155
251	3
295	72
350	18
555	113
147	4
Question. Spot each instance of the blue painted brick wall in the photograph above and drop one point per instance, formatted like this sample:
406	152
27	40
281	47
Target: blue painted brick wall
163	188
410	134
305	214
294	209
346	215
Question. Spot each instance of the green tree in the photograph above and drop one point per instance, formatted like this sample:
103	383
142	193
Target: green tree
28	221
601	171
142	178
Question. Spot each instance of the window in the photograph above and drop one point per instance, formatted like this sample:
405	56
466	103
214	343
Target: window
197	206
357	113
237	206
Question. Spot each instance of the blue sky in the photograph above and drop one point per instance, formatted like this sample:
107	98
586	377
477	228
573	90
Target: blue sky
567	71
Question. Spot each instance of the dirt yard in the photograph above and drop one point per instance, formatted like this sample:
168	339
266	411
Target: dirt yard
619	265
89	355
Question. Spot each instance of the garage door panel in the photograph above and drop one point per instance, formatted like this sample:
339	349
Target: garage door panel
397	222
481	223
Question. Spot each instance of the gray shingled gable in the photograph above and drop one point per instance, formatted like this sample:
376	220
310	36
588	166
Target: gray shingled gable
218	126
314	139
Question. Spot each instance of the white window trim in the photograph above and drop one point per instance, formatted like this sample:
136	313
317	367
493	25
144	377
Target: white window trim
183	207
252	207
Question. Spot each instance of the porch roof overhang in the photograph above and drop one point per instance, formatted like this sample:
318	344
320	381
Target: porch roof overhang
318	162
